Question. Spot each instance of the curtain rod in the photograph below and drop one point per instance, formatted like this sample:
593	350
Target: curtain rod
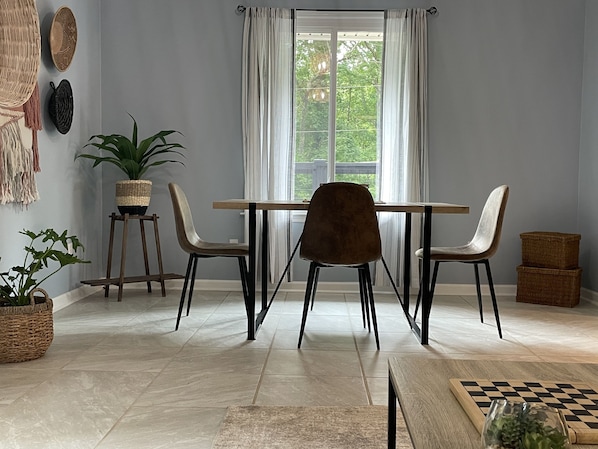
432	11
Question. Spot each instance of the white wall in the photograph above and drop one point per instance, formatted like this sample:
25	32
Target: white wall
69	195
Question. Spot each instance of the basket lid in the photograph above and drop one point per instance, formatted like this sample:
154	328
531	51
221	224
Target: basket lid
63	38
60	106
20	51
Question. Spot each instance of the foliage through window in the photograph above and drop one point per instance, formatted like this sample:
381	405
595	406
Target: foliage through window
338	70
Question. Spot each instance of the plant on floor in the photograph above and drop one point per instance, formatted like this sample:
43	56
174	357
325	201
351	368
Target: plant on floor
46	248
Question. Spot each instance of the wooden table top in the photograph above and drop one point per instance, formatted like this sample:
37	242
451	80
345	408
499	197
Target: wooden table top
433	415
437	208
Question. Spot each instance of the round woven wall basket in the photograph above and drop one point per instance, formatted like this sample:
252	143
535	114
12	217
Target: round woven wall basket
20	51
63	38
26	332
60	106
133	196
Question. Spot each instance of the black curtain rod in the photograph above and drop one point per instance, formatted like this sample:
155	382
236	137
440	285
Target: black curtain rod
432	11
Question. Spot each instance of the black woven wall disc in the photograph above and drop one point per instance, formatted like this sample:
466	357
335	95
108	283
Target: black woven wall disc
61	106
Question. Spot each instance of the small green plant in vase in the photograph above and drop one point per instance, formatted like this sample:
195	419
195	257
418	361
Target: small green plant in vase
134	157
522	425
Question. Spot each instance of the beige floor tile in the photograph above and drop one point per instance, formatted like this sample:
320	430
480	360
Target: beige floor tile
163	427
315	390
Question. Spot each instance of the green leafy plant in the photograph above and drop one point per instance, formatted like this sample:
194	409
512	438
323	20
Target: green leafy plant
524	430
132	157
54	249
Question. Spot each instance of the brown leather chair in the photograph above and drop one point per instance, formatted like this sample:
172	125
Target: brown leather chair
341	230
480	248
197	248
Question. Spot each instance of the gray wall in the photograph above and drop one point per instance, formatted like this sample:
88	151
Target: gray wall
588	154
505	107
70	197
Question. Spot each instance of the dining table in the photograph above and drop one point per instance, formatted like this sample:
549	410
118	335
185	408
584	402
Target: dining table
419	327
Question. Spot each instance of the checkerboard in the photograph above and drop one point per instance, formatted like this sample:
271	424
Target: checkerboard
577	401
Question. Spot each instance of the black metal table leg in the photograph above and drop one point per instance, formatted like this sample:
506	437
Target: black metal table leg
392	415
425	285
252	273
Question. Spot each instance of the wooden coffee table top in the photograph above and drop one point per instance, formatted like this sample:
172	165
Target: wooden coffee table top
433	415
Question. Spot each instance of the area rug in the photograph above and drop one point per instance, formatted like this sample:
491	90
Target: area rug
270	427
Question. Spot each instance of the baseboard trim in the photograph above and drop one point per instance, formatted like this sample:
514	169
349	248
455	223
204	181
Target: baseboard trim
331	287
71	297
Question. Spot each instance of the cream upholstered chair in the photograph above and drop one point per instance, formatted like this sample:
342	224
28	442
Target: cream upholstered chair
197	248
341	230
479	250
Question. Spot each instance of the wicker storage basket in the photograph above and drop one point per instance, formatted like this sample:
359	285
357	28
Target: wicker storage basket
548	286
550	250
26	332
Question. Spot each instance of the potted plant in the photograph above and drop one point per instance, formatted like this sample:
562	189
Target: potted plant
26	321
134	158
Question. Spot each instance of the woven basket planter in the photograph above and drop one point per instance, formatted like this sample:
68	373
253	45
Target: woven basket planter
26	332
133	196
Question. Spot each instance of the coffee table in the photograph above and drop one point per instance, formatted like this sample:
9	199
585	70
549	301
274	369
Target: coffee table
434	417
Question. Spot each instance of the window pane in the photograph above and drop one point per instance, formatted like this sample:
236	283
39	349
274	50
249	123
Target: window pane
312	97
358	93
352	142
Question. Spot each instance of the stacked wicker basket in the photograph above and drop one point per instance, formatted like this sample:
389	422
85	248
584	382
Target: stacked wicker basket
549	273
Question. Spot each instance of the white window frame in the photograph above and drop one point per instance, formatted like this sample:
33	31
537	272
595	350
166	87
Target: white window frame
312	24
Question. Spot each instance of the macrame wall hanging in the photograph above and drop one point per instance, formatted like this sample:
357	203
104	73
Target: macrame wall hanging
19	156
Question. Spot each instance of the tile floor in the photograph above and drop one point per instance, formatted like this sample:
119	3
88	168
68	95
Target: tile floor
118	376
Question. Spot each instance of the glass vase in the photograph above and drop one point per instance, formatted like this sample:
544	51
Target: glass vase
524	425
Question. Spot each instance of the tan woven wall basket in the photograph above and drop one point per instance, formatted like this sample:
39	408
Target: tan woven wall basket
20	51
26	332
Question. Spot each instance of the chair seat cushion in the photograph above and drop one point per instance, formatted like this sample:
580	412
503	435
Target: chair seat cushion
465	253
217	249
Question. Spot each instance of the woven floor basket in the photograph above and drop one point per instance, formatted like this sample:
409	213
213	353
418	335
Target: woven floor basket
20	51
26	332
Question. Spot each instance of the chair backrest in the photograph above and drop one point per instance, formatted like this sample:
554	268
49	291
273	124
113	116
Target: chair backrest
341	226
185	229
487	235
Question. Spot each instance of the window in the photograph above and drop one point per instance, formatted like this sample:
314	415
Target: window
338	71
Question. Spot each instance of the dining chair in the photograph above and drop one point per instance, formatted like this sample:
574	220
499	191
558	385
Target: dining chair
478	250
197	248
341	230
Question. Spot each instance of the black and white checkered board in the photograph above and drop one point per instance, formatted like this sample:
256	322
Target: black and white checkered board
577	401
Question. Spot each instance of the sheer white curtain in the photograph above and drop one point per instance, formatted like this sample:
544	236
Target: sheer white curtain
267	120
404	144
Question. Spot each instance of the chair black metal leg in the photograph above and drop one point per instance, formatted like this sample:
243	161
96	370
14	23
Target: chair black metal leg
363	292
192	286
313	295
493	295
182	302
306	301
478	290
363	300
372	306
